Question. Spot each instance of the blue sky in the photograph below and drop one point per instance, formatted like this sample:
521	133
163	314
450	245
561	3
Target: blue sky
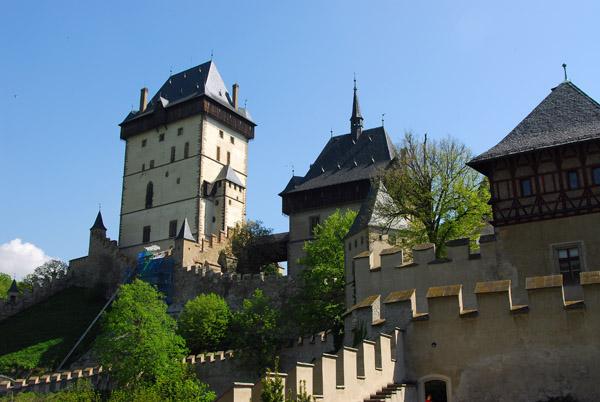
71	71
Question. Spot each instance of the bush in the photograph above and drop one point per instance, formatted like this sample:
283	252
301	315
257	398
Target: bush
204	323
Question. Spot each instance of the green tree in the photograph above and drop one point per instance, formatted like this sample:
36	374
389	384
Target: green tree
5	282
48	269
320	300
255	331
139	343
434	195
252	245
204	323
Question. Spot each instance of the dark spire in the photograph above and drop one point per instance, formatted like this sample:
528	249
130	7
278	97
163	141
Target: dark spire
98	224
185	233
356	118
13	287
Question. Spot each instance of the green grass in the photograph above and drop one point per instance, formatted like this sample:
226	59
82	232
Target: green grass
37	339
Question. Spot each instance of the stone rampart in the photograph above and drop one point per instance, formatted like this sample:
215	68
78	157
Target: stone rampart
500	350
55	382
352	374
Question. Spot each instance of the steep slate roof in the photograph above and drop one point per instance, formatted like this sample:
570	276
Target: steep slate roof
98	224
13	287
367	215
343	161
193	83
567	115
227	173
185	232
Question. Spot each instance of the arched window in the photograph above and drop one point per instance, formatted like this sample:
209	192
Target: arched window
149	194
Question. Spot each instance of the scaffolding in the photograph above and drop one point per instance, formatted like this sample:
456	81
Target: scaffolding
156	268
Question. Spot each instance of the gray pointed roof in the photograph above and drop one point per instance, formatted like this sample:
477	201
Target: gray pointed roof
98	224
185	232
192	83
344	160
13	287
565	116
227	173
355	106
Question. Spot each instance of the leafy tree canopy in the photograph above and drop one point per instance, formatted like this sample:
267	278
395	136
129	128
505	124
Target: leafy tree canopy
434	195
5	282
48	269
320	300
255	331
250	245
139	343
204	323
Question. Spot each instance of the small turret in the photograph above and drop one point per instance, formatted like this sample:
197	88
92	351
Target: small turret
97	235
13	292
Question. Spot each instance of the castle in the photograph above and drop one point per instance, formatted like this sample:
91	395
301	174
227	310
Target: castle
516	320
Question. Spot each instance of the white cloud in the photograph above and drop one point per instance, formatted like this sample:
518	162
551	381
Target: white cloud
18	258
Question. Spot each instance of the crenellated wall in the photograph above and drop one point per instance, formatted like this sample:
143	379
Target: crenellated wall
353	374
55	382
500	350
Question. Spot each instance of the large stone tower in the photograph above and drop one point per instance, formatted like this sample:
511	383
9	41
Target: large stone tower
186	156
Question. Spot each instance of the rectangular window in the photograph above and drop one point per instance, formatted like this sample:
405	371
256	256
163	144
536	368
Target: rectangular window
596	175
313	221
180	131
221	133
573	179
144	143
172	154
151	163
173	228
231	139
186	150
228	157
219	154
143	167
569	265
161	138
146	234
525	187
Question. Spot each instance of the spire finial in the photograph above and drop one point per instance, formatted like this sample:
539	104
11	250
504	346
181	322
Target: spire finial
382	115
355	81
331	133
171	71
211	55
565	68
99	207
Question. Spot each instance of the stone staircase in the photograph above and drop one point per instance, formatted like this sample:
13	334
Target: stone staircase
391	393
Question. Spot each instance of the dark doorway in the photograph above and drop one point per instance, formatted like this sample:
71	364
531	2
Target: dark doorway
437	390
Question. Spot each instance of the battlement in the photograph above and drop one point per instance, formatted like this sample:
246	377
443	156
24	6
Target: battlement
54	382
351	374
48	288
493	301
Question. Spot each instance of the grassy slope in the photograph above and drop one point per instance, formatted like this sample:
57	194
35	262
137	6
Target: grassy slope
39	337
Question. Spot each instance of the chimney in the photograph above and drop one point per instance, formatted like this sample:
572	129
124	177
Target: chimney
236	89
143	99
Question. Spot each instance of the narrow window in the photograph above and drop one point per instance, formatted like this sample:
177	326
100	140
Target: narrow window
144	143
217	203
186	150
229	202
568	263
146	234
219	154
149	194
228	157
143	167
525	187
313	221
596	175
573	180
214	219
161	138
232	140
180	131
173	228
221	133
151	163
172	154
